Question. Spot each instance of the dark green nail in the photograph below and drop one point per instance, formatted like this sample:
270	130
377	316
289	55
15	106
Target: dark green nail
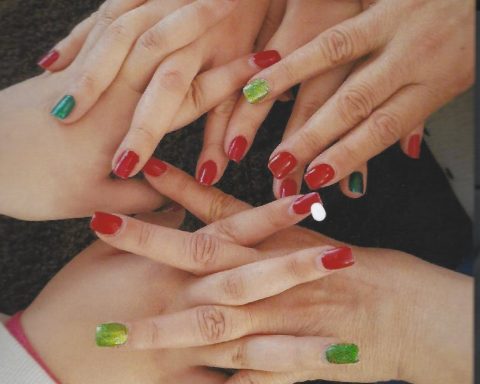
111	334
342	354
355	182
256	90
64	107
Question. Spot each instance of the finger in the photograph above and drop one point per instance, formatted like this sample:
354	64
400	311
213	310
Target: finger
267	278
254	377
171	216
272	21
355	185
412	144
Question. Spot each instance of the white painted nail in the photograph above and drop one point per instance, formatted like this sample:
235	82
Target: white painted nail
318	212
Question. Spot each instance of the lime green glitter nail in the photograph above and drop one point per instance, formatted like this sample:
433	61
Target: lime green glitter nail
64	107
256	90
342	354
111	334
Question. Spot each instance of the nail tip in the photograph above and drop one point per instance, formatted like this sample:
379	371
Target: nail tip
111	334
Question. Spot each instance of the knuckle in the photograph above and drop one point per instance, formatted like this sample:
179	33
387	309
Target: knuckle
308	109
108	14
144	133
219	206
227	229
152	40
355	104
233	287
203	249
172	80
338	46
196	96
240	355
119	31
245	378
153	333
385	129
288	73
88	82
350	155
145	234
295	269
212	323
311	141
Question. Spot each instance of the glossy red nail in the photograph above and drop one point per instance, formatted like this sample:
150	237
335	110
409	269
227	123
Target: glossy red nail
282	164
266	59
237	149
338	258
154	167
50	58
207	173
125	164
105	223
414	145
319	175
288	188
302	205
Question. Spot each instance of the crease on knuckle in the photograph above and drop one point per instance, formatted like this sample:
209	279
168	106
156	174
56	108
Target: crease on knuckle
233	287
172	80
153	332
308	109
119	31
338	46
349	154
295	268
287	72
88	82
355	104
219	206
145	234
239	356
226	229
203	249
311	141
108	14
196	96
153	40
146	134
212	323
385	129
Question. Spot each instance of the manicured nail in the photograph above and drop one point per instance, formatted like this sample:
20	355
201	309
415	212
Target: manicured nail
288	188
256	91
266	59
337	258
355	182
207	173
319	175
154	167
414	146
282	164
237	149
111	334
342	354
105	223
64	107
303	204
318	212
125	164
50	58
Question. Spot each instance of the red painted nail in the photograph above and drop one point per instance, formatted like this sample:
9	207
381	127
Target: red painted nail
282	164
207	173
50	58
154	167
125	164
319	175
338	258
302	205
414	147
288	188
266	59
237	149
105	223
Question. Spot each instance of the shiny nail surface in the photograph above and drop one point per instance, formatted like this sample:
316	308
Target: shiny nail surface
266	58
64	107
355	183
337	258
105	223
256	91
111	334
303	204
342	354
154	167
319	175
125	164
414	147
207	173
288	188
50	58
237	149
282	164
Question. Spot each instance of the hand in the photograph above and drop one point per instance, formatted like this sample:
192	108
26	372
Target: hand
404	314
416	63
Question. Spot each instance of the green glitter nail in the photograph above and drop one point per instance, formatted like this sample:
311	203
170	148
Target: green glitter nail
111	334
64	107
256	90
355	182
342	354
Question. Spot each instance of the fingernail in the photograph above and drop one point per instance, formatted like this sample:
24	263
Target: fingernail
337	258
105	223
342	354
64	107
266	58
282	164
288	188
256	91
303	204
237	149
154	167
207	173
111	334
319	175
125	164
414	146
48	59
355	182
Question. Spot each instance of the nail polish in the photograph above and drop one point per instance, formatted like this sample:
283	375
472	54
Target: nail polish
64	107
355	183
414	146
318	212
207	173
282	164
237	149
302	205
337	258
256	91
288	188
111	334
50	58
125	164
266	58
342	354
105	223
154	167
319	175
